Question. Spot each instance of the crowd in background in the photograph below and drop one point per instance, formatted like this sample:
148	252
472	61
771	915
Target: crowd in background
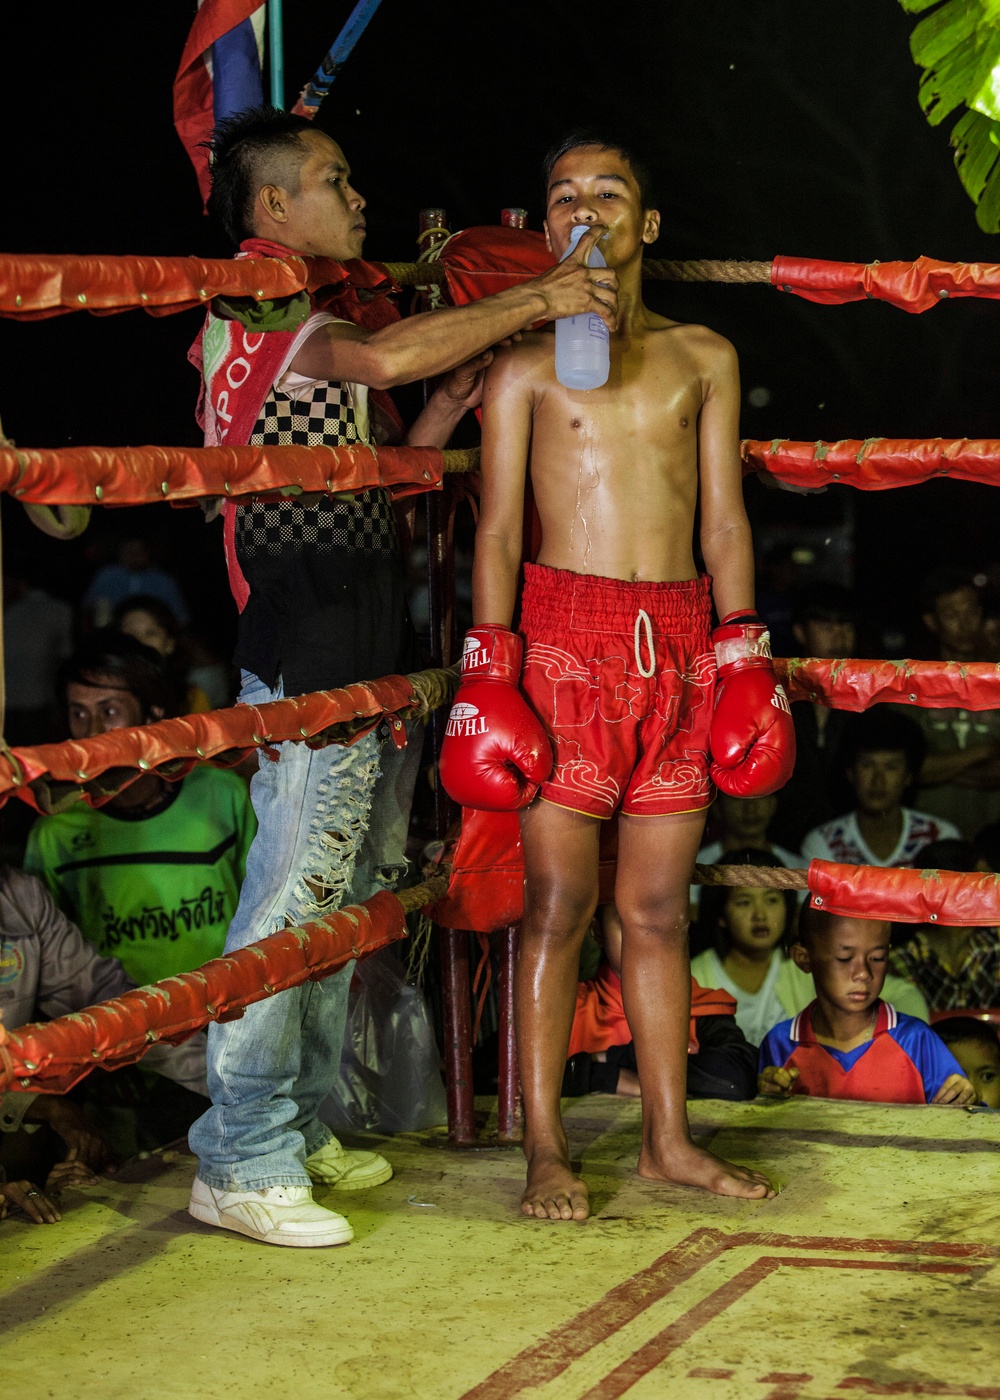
146	886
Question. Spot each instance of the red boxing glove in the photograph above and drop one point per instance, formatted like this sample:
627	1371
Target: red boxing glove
495	751
752	738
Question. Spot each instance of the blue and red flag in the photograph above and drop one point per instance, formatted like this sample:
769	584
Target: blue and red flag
220	74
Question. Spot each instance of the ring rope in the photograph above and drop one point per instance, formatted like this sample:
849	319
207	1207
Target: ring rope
51	777
52	1056
73	479
949	898
33	286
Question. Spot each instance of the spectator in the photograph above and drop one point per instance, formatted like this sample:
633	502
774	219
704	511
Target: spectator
977	1049
38	635
740	823
154	876
151	622
959	778
48	969
134	573
955	968
721	1064
744	930
880	754
824	625
848	1043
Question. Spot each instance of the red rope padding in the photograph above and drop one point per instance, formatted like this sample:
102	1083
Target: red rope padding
49	776
125	476
35	287
949	898
912	286
877	464
856	685
50	1057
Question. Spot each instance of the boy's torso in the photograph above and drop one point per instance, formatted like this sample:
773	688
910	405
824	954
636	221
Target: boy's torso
615	470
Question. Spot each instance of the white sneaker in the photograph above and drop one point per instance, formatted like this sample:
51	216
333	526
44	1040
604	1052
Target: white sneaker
343	1170
277	1215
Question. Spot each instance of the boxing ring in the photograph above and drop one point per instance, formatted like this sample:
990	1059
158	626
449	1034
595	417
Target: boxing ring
480	892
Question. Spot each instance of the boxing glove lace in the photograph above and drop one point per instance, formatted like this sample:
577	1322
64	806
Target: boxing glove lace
752	738
495	751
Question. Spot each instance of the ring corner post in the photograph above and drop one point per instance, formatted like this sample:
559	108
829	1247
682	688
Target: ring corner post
457	1009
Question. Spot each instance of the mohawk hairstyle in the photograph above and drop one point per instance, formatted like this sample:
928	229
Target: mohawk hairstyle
253	144
607	141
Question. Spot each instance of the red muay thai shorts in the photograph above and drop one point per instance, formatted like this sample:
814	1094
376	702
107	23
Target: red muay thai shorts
622	675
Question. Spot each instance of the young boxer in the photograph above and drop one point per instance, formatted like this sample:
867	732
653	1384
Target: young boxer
621	669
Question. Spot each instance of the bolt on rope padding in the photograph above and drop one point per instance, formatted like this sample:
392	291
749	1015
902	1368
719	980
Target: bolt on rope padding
35	286
948	898
50	1057
876	464
50	777
85	476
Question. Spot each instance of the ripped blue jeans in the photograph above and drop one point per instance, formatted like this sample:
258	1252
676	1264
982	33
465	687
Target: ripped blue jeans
332	827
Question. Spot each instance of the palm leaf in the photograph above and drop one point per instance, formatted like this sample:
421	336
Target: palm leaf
958	47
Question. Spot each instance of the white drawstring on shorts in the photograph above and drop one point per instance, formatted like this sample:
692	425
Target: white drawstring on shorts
642	617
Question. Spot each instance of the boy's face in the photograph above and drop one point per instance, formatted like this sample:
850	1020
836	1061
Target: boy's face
879	780
981	1064
595	186
848	961
957	619
827	639
323	215
755	919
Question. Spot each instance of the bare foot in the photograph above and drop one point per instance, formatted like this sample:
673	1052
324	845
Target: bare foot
688	1165
553	1192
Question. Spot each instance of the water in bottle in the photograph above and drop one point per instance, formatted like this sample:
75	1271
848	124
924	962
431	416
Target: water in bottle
583	354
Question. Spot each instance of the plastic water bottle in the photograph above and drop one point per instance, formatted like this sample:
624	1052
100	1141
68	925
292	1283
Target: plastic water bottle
583	353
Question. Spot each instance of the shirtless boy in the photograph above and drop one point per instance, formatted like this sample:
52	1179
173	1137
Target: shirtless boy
619	668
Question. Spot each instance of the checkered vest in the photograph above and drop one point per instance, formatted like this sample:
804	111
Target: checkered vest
364	523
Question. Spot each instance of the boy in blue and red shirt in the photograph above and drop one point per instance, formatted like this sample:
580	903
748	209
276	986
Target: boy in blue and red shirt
848	1043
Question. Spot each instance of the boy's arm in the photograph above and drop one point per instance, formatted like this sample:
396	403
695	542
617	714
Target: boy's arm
495	751
458	392
507	410
436	341
726	542
773	1077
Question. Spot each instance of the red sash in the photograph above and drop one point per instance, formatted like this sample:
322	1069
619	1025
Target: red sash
884	1073
239	365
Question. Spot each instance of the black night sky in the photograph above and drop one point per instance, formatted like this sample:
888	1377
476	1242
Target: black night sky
772	127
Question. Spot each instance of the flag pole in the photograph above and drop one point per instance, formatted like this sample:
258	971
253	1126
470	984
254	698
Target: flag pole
276	52
319	84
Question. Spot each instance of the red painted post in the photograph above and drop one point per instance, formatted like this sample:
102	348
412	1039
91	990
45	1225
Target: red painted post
457	1036
510	1117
